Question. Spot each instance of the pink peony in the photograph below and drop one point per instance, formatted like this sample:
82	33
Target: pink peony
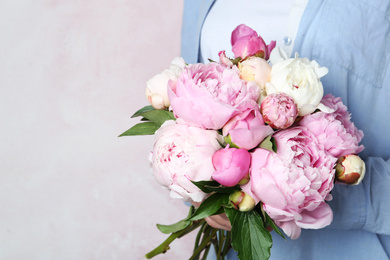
247	129
224	60
183	154
342	114
208	95
231	166
294	183
279	110
246	42
334	131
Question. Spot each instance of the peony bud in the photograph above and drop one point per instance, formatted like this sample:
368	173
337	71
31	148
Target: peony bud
242	201
255	69
350	169
231	166
279	110
246	42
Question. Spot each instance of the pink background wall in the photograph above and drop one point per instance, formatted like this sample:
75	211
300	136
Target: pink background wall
71	74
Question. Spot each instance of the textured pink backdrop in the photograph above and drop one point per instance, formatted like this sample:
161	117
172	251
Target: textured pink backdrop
71	74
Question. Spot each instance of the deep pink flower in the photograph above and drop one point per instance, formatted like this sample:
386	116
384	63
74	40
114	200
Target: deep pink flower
279	110
208	95
294	183
246	42
247	129
231	166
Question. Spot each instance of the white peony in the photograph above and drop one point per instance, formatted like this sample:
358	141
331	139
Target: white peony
156	87
298	78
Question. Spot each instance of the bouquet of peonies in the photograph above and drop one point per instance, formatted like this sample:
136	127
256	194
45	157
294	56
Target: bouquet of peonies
257	142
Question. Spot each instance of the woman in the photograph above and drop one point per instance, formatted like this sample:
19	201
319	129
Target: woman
352	39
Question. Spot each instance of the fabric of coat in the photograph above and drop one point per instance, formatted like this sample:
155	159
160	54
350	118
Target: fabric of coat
352	39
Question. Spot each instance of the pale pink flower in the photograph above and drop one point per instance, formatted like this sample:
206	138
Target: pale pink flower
279	110
225	60
247	129
335	132
246	42
182	154
208	95
294	183
342	114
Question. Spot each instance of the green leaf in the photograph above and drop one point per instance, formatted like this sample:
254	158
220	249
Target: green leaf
223	189
274	146
236	60
260	54
228	140
274	226
182	224
146	128
143	110
269	144
210	206
249	237
167	229
205	185
214	186
165	246
159	116
221	144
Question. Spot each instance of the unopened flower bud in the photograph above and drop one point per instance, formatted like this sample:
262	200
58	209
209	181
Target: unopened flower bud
231	166
255	69
242	201
279	110
350	169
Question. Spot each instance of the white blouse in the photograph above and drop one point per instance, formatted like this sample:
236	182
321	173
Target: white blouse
273	20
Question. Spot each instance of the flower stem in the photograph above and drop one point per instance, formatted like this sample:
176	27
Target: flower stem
227	244
220	244
204	243
164	246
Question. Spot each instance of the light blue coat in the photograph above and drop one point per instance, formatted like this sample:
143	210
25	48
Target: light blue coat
352	39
